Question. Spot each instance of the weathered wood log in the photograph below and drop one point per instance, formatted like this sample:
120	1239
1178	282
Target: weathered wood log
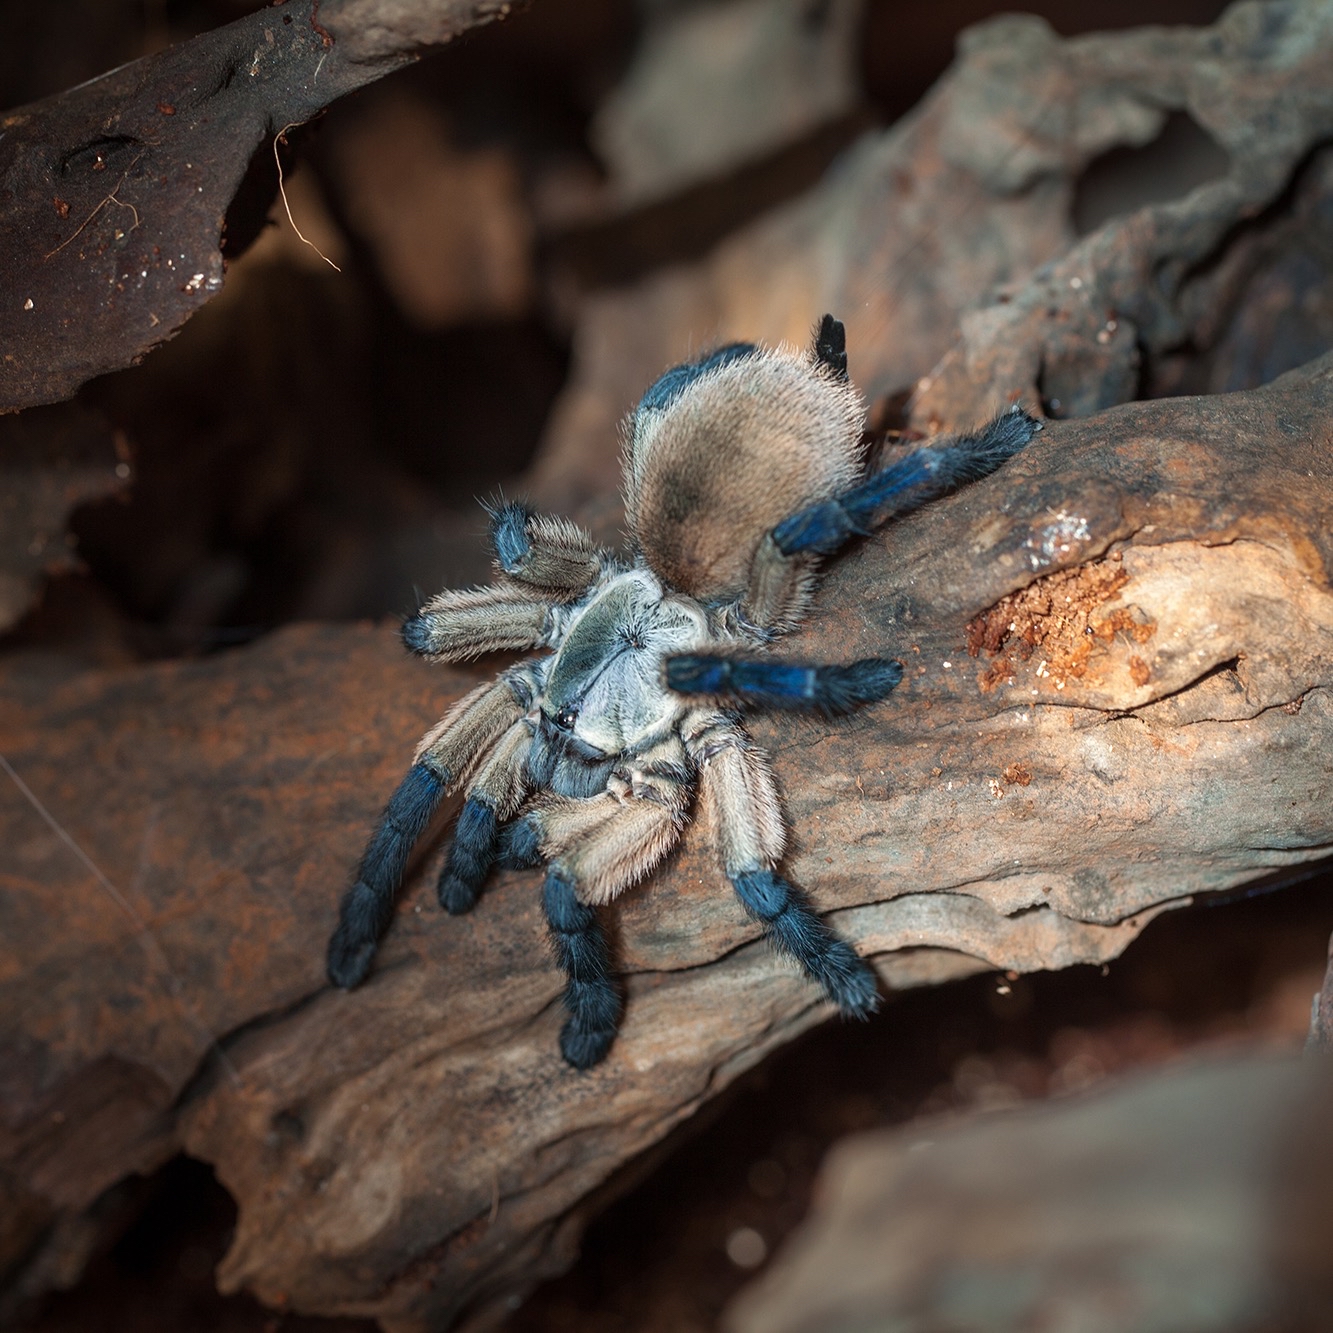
416	1150
113	195
1191	1198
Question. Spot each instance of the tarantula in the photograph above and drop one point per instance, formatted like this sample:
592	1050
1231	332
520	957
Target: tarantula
742	470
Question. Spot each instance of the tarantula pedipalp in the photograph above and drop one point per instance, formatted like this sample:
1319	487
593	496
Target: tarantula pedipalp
743	469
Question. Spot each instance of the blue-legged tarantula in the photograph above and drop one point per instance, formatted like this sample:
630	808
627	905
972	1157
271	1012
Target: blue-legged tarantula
742	470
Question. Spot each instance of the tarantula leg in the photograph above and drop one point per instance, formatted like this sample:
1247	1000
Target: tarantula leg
794	928
742	797
605	843
905	485
830	347
367	906
492	798
462	623
831	690
519	846
598	846
591	996
469	729
470	857
548	553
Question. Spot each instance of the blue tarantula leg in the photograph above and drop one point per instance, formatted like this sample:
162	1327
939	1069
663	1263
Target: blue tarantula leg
471	727
905	485
492	798
520	845
463	623
603	844
749	829
590	994
830	347
766	683
470	856
794	928
367	906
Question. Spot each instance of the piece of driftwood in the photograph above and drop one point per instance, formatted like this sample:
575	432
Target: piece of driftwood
113	195
1156	724
1195	1197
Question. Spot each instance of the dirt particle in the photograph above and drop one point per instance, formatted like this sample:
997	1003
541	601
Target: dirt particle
1017	775
1057	614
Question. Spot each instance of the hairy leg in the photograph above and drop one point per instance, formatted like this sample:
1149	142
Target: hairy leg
367	907
591	996
604	845
466	733
495	794
597	847
909	483
742	798
767	683
784	565
672	383
463	623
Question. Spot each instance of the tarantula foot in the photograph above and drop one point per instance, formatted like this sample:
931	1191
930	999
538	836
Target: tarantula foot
470	857
509	536
592	1025
456	896
520	846
583	1047
850	982
1012	431
416	634
349	960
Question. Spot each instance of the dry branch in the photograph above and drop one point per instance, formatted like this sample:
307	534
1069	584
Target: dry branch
113	195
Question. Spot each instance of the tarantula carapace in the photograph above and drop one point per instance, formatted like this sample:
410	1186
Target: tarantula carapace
742	470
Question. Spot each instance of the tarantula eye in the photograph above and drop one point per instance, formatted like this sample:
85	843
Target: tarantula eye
566	718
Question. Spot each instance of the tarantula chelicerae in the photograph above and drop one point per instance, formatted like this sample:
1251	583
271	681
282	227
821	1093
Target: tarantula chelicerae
742	470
